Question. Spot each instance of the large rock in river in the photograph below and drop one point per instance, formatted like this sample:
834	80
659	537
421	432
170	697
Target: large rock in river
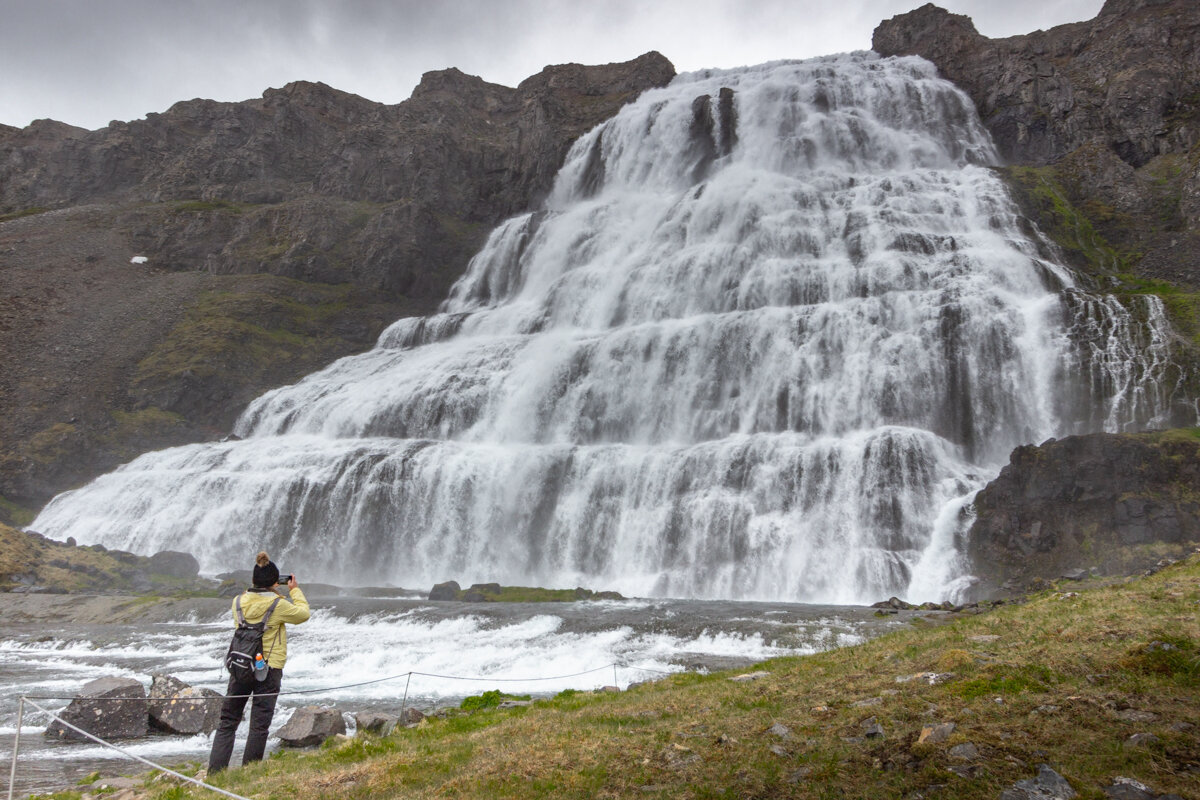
176	707
97	711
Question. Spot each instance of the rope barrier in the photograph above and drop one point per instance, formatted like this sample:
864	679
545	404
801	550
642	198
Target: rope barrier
120	750
408	675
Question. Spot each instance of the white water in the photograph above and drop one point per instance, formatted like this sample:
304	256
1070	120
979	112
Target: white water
458	650
762	359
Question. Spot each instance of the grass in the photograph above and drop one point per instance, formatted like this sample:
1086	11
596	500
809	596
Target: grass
1045	681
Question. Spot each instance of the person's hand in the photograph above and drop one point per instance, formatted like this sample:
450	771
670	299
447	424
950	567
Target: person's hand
292	583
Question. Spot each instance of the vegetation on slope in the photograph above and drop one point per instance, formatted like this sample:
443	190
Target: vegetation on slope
1064	679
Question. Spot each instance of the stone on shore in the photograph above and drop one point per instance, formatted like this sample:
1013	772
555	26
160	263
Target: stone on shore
94	710
375	722
178	708
445	591
311	725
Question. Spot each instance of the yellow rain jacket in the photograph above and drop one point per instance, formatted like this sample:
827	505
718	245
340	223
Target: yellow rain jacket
254	607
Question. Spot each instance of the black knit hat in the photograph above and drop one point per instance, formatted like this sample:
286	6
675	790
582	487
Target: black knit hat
266	574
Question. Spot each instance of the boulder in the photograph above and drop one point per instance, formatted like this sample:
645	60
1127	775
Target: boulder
178	708
936	734
94	710
311	725
375	722
411	716
1048	785
445	591
174	564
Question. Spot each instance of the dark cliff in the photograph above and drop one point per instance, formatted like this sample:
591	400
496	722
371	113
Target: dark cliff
278	234
1112	502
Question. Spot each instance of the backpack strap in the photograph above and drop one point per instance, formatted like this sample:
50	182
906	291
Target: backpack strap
265	618
237	608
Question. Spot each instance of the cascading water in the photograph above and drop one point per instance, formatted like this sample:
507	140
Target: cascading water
771	330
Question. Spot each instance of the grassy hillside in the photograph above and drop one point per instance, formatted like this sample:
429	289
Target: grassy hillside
1064	679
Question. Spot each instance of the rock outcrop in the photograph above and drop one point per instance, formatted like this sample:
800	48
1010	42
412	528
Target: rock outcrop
1113	502
274	235
1126	80
108	708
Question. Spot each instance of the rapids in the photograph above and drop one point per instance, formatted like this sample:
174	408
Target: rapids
771	330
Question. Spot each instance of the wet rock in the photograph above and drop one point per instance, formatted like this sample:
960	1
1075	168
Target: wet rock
95	711
174	564
936	734
445	591
311	725
177	708
411	716
1048	785
894	603
375	722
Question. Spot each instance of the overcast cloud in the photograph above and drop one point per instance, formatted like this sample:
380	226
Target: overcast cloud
87	62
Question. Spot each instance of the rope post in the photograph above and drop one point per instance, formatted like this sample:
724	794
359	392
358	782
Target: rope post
12	774
616	682
404	702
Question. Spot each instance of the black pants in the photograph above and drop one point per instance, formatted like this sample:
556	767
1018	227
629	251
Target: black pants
261	711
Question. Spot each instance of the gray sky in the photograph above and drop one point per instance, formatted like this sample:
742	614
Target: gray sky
87	62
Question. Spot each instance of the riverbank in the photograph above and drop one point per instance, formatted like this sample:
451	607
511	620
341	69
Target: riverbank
1100	684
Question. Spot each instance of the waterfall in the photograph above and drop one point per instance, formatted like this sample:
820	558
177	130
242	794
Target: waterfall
769	332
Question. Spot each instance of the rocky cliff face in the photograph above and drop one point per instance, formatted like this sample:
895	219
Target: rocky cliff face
279	234
1107	501
317	184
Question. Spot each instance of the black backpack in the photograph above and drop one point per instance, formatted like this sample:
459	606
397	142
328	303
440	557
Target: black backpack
247	643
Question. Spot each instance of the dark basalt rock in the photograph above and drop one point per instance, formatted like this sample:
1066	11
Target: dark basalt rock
94	710
445	591
311	725
175	564
1114	79
1086	501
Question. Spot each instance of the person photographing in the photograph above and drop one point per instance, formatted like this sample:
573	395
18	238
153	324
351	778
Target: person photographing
256	659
